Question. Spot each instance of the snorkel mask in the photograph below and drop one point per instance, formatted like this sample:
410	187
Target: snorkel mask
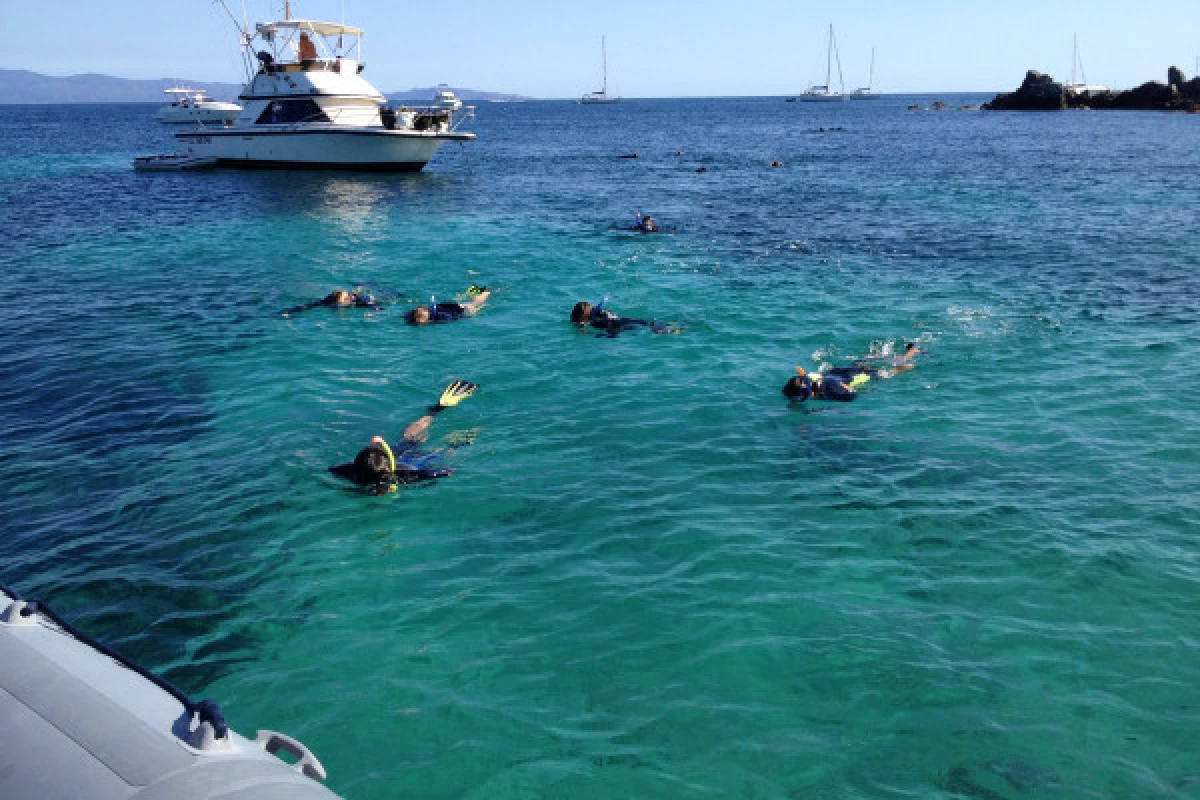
807	383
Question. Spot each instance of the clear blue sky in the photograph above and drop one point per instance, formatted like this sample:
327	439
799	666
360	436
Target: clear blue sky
657	48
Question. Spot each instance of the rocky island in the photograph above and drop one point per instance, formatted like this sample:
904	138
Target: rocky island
1041	92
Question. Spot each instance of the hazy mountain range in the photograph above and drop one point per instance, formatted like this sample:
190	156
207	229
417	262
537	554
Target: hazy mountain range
22	86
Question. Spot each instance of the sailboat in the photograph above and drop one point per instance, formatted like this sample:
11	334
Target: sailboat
864	92
823	94
1080	86
602	95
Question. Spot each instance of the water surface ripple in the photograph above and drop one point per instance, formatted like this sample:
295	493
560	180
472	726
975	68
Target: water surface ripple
650	577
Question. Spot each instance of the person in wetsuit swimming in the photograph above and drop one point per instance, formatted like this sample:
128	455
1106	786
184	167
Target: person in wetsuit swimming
819	387
449	312
645	224
340	298
842	383
585	314
381	468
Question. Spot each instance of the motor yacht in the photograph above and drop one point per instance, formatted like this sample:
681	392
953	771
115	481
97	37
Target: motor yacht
307	106
195	106
446	99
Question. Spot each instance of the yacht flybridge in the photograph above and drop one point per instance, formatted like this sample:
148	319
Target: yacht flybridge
306	105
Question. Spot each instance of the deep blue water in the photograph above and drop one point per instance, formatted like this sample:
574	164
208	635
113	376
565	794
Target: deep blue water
650	576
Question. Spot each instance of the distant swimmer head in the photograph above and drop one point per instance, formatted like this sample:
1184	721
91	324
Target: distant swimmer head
799	387
420	316
582	312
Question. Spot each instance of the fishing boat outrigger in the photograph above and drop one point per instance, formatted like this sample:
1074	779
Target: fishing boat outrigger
306	105
79	720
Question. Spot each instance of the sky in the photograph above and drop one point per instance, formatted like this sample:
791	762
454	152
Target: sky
656	48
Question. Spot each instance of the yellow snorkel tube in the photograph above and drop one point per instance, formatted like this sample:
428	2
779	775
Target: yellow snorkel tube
379	440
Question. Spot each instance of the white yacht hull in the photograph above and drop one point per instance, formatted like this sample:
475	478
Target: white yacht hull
372	149
199	116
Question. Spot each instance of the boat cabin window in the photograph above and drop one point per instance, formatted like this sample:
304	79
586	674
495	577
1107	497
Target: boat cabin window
284	112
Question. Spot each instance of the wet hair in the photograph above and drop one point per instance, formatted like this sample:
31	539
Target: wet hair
338	298
372	467
419	316
796	389
910	346
581	313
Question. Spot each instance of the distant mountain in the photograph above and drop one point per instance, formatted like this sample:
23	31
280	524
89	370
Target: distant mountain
22	86
424	96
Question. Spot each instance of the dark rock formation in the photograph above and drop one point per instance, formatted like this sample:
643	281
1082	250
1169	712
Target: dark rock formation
1040	93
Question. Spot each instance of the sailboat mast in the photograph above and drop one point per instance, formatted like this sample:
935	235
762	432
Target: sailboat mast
829	57
604	61
1074	58
871	77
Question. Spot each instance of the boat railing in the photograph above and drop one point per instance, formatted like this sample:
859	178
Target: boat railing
311	65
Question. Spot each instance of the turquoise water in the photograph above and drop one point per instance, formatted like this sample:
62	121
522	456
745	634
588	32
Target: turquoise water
650	577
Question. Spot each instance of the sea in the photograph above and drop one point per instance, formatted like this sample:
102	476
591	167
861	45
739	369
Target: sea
651	576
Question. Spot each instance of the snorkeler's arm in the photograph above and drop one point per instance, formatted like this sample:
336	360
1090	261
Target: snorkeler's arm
455	393
305	307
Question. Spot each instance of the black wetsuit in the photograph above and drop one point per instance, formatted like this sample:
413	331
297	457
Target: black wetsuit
847	374
413	465
443	312
358	301
613	324
825	387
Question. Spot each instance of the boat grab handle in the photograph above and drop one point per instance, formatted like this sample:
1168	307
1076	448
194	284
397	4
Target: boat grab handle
273	742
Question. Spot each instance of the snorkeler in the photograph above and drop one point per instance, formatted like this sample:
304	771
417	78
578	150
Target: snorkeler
449	312
645	224
819	387
382	469
842	383
340	298
597	316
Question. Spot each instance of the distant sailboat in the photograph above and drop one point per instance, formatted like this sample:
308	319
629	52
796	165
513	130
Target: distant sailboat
823	94
864	92
1080	86
601	96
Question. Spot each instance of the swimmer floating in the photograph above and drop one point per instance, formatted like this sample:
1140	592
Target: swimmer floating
380	468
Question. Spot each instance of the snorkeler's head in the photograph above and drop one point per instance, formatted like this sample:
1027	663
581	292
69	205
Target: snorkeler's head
373	466
799	387
908	348
419	316
581	313
339	298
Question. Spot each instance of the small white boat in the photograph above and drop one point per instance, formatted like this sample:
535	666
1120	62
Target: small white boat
865	92
78	720
445	99
194	106
602	96
822	93
172	163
